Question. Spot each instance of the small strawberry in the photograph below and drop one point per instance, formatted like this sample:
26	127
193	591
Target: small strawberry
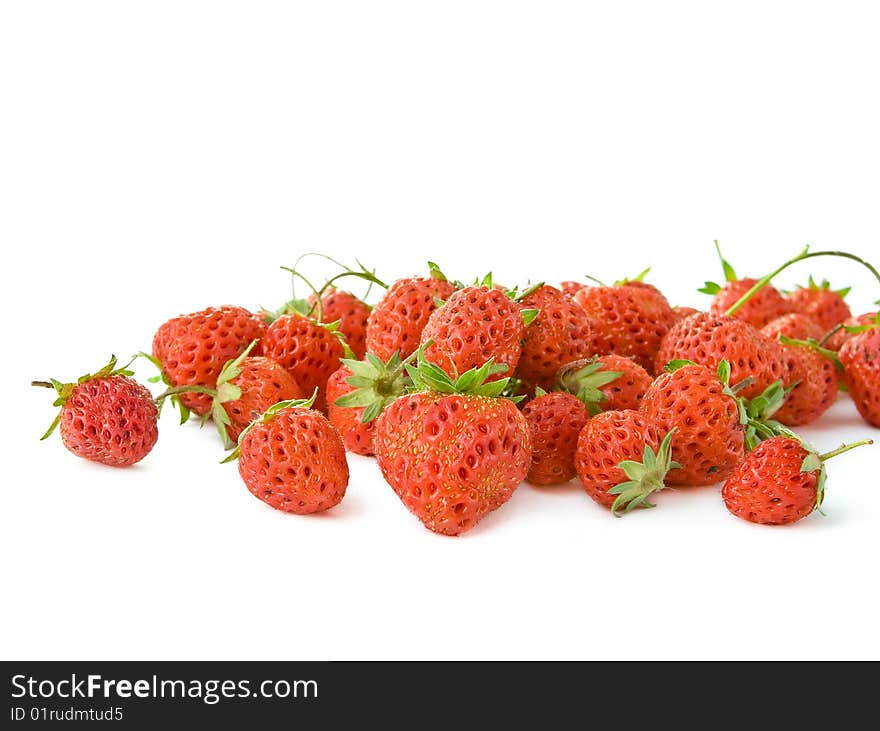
607	460
351	314
697	405
191	350
397	321
475	324
853	326
555	420
606	382
860	356
681	312
626	320
707	339
780	482
106	416
356	395
293	459
811	382
559	334
571	288
765	305
453	452
793	325
309	350
825	305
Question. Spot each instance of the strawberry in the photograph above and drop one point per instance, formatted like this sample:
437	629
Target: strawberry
453	451
766	304
555	421
571	288
823	304
293	459
191	350
793	325
607	459
852	326
351	314
696	404
309	350
559	334
811	382
860	356
397	321
357	393
681	312
475	324
780	482
707	339
606	382
106	416
626	320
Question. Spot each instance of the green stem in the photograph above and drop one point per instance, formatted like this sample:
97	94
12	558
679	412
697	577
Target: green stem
814	346
831	333
805	254
185	389
316	305
844	448
42	384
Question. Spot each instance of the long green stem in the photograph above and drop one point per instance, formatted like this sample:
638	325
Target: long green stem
316	305
845	448
805	254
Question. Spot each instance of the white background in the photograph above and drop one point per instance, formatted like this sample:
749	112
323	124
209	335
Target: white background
159	158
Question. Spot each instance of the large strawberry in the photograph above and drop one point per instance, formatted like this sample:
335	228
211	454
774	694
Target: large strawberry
475	324
709	429
192	349
559	334
452	452
397	321
605	382
765	305
708	339
293	459
356	395
824	305
780	482
793	325
626	320
621	459
309	350
106	416
811	382
860	356
555	420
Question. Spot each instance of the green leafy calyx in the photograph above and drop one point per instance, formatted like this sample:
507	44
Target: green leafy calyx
645	477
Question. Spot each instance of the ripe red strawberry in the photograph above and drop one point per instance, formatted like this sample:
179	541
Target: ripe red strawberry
606	382
621	459
626	320
357	393
696	402
765	305
475	324
860	356
706	339
309	350
559	334
571	288
793	325
779	482
293	459
192	349
680	312
106	416
851	327
454	452
351	314
818	301
812	380
555	420
397	321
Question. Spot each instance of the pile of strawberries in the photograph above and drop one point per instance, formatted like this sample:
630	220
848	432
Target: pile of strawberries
463	391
